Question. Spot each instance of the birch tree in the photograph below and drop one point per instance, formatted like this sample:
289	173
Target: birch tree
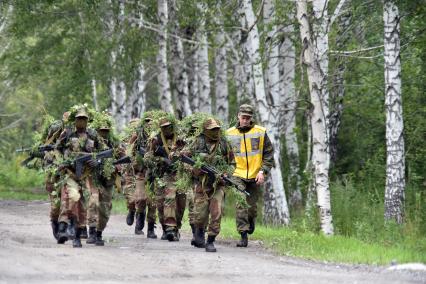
288	100
275	208
395	155
221	80
163	76
205	103
315	55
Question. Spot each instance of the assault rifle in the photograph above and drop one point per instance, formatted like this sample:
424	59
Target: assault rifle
34	153
98	157
123	160
212	173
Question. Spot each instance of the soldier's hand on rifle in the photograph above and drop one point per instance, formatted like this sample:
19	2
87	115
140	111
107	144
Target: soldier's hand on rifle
92	163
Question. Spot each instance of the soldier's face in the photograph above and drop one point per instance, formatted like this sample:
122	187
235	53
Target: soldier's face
81	122
103	133
244	120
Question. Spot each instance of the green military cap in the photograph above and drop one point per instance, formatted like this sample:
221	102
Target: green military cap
210	123
246	109
82	113
164	122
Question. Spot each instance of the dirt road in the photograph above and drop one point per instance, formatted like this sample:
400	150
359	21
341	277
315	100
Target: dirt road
29	254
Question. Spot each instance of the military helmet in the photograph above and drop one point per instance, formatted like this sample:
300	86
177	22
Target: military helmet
211	123
165	122
81	113
246	109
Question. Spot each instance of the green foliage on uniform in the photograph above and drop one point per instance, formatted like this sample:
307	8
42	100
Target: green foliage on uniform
40	136
76	108
153	128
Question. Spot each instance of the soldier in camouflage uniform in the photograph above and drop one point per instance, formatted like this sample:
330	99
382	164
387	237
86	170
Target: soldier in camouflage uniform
170	203
254	157
100	201
75	191
212	149
143	200
52	135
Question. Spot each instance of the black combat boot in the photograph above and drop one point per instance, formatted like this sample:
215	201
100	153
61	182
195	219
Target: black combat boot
151	231
193	234
172	234
140	222
76	243
210	244
251	225
244	240
92	236
62	233
200	241
130	217
83	233
71	229
164	235
55	228
99	240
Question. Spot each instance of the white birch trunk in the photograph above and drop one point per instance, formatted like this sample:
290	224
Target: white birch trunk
315	57
137	100
395	155
275	208
94	94
221	78
192	63
237	68
163	76
205	102
180	76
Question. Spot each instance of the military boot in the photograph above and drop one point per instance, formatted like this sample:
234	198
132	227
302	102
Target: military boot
251	225
130	217
62	233
151	231
200	241
164	235
55	228
76	243
244	240
172	234
92	236
99	240
140	222
84	233
193	234
71	229
210	244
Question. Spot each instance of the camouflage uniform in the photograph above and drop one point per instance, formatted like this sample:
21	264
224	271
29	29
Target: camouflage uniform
75	191
100	201
209	194
245	217
170	203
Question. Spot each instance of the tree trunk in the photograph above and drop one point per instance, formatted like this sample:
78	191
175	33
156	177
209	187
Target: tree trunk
137	101
275	205
316	60
237	68
205	102
221	78
163	76
338	90
289	103
395	156
180	76
192	70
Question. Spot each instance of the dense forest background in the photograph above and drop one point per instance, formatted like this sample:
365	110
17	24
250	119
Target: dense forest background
55	54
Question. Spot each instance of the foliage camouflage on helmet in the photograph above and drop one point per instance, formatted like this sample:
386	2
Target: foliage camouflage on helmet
100	120
76	108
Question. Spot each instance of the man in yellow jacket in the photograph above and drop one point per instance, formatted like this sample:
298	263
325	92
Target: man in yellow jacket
254	157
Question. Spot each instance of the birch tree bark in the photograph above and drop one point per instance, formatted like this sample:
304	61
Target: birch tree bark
163	76
316	60
395	150
205	102
275	203
221	80
338	90
180	76
289	103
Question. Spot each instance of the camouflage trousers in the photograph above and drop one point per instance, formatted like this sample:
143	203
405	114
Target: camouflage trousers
170	203
129	190
100	205
54	196
244	214
208	204
74	198
190	205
